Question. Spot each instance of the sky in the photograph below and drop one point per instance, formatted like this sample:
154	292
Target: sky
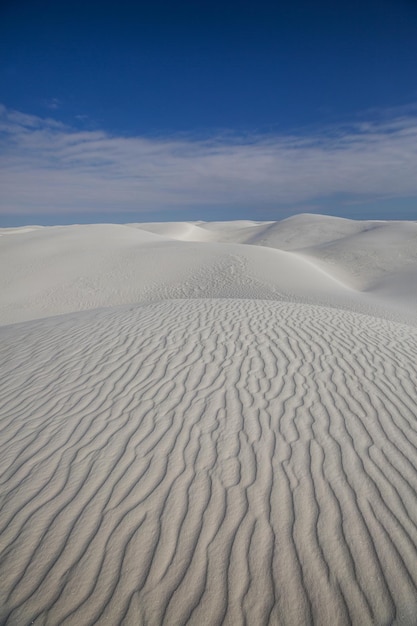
148	111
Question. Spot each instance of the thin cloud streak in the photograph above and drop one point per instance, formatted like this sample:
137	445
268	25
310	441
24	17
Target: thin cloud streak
50	168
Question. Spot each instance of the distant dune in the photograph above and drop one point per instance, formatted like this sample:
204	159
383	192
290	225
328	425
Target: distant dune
209	423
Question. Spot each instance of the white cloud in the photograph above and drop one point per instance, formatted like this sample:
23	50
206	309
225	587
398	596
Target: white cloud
49	168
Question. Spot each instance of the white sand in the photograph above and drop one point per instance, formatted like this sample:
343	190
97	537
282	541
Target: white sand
233	440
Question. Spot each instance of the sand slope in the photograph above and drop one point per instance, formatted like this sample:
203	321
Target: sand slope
209	461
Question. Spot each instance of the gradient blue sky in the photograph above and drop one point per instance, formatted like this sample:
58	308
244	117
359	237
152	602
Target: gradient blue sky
203	110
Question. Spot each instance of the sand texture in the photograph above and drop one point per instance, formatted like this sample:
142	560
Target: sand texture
242	454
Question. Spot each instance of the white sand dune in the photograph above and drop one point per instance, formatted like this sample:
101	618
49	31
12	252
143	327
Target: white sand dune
219	449
57	270
377	257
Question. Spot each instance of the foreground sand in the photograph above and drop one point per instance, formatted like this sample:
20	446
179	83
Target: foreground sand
211	460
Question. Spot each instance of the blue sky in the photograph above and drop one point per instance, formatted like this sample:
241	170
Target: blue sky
141	111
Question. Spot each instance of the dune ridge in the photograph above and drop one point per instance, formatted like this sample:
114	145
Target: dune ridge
370	267
209	461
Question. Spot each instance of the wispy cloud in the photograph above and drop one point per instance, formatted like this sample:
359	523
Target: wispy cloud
50	168
52	103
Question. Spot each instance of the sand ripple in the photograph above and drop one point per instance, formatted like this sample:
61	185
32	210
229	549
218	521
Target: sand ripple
209	462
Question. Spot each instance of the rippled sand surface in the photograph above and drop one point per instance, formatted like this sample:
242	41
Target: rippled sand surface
212	460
